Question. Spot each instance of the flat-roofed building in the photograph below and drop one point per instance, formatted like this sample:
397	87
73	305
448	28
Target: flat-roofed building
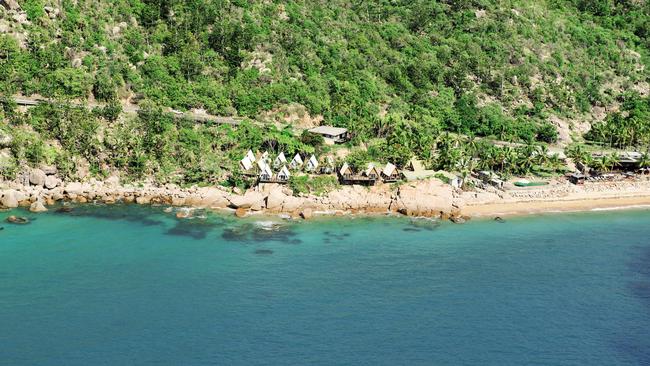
334	134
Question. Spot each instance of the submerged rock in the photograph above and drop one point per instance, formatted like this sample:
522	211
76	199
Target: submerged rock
499	219
63	210
264	252
17	220
457	220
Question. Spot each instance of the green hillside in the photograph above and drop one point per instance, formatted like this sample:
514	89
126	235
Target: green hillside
404	71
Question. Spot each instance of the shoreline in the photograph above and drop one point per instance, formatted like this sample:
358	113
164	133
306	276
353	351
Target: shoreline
427	198
514	209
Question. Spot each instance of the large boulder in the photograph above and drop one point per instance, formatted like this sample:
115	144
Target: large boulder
292	204
51	182
74	188
425	198
37	207
48	169
9	199
249	199
275	199
214	198
307	213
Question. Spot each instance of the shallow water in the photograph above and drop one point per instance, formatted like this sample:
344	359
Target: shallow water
134	286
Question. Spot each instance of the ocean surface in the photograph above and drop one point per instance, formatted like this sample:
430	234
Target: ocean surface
120	285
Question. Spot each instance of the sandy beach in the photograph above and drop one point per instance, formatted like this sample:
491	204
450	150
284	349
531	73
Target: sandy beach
561	197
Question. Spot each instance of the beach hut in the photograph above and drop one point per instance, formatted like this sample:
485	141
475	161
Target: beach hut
390	173
371	172
312	164
283	175
296	162
266	175
279	161
346	172
245	164
415	165
251	156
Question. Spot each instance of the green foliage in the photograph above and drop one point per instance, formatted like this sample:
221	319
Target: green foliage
629	127
398	73
347	62
358	159
317	185
312	139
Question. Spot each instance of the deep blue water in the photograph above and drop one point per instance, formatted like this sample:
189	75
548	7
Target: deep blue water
134	286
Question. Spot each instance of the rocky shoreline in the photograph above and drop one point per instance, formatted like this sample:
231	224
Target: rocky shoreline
40	188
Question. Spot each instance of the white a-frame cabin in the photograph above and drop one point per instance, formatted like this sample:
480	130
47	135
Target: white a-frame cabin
279	161
284	174
296	162
312	164
251	156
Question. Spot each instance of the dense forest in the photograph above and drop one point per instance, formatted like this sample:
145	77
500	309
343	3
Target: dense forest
402	72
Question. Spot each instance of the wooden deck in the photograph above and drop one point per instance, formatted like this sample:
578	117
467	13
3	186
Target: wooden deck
357	179
272	180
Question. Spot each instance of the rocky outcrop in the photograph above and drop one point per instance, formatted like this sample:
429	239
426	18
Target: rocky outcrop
249	199
9	199
37	188
52	182
37	177
425	198
37	207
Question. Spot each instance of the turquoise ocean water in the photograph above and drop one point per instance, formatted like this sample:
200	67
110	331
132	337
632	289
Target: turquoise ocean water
134	286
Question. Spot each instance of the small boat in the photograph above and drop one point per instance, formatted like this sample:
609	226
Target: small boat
525	183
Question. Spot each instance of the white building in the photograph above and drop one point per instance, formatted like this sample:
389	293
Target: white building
296	162
312	164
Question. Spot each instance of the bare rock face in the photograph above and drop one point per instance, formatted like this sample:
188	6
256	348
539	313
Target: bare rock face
37	207
48	169
51	182
292	204
249	199
37	177
214	198
112	181
307	213
74	188
8	199
425	198
10	4
143	200
274	200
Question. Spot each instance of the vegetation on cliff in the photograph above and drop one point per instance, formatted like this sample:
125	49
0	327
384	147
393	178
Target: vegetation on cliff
403	73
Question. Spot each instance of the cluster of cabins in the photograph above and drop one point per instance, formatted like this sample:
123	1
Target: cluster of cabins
369	176
261	166
280	169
